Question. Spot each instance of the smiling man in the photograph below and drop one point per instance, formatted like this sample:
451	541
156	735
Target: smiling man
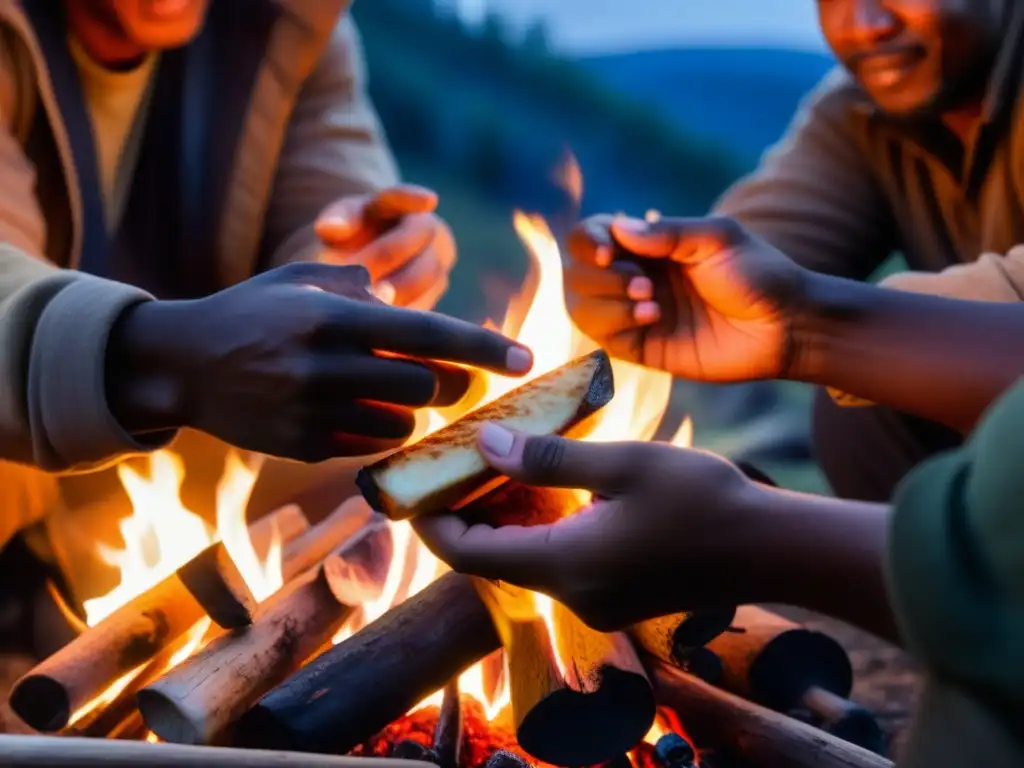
914	144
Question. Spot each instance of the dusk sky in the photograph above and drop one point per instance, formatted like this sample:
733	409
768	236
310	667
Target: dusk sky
585	26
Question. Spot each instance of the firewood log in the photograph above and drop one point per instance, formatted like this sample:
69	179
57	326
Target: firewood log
447	745
674	638
580	697
302	548
445	469
584	699
64	752
304	551
213	579
60	688
364	683
787	667
759	736
197	700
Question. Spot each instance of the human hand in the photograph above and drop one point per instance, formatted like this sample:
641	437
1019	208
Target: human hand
396	235
272	365
671	528
700	298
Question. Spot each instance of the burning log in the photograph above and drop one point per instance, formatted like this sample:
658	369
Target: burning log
316	543
579	696
198	699
213	579
448	733
359	686
787	667
587	700
445	470
65	752
751	732
60	686
673	751
674	638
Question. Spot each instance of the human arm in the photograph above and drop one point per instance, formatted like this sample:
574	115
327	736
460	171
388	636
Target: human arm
54	325
675	529
938	358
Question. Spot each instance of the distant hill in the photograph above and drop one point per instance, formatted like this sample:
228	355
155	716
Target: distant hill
742	97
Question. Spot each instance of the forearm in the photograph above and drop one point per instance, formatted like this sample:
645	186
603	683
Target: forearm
815	552
829	557
938	358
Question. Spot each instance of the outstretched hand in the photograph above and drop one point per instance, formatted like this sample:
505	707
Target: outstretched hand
654	541
300	362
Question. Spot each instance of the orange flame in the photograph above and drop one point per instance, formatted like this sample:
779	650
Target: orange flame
161	534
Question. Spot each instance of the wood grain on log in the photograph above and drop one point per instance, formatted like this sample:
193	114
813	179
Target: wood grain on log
304	551
196	701
359	686
760	736
578	698
785	666
62	686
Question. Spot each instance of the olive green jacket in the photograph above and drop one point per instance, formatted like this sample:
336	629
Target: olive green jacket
956	576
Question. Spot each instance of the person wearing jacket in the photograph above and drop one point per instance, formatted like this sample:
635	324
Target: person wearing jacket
175	150
915	143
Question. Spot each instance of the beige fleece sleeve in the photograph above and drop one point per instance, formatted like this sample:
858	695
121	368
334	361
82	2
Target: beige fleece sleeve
54	327
991	278
335	148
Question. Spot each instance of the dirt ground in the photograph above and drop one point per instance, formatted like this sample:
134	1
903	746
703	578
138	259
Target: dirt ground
885	680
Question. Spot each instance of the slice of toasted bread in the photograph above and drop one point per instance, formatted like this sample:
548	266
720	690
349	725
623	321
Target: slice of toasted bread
445	469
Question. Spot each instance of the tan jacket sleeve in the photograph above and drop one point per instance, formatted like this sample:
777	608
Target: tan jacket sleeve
335	148
813	195
54	326
991	278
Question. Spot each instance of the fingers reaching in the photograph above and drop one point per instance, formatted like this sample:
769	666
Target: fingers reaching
432	336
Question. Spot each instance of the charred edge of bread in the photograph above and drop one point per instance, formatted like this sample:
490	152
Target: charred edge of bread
599	393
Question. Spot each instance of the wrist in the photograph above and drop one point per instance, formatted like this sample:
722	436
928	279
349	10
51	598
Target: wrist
145	384
827	307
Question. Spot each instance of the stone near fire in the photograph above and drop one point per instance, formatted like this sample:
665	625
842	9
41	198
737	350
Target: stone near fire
445	469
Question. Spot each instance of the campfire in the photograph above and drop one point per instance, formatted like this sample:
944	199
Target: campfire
349	638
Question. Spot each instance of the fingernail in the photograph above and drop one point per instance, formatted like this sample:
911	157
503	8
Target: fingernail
496	439
636	226
519	360
646	312
640	289
603	256
335	221
385	292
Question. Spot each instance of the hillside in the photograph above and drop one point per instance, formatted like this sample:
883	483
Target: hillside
741	97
